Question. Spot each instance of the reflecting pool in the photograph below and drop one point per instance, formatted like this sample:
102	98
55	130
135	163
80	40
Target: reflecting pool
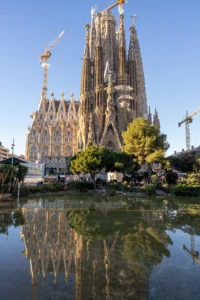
100	249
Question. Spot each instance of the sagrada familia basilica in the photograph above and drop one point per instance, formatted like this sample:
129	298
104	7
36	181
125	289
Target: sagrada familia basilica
112	95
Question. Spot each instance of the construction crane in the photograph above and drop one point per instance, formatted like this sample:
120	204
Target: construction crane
44	60
194	254
187	122
119	2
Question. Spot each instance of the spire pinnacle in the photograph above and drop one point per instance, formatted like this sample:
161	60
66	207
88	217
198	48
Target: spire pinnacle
92	33
149	117
121	8
133	18
93	11
98	43
121	32
87	50
72	96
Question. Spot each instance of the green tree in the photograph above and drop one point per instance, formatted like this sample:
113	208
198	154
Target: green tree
124	163
7	177
21	173
145	142
7	174
197	163
184	162
171	177
92	160
193	179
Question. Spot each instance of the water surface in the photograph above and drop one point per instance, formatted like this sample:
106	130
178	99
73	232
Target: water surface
68	248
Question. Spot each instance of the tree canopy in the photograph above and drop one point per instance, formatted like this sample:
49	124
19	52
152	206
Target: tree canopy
123	162
144	142
92	160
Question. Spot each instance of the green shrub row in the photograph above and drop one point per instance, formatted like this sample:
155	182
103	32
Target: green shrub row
26	190
81	186
186	190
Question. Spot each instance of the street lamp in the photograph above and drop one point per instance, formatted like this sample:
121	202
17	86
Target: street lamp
12	147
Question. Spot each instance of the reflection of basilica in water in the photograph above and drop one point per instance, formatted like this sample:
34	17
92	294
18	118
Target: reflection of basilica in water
99	269
91	249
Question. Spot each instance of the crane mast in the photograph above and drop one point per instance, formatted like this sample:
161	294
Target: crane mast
187	122
44	59
187	131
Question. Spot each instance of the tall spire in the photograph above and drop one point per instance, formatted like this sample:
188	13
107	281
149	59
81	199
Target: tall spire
131	54
134	52
98	67
122	63
92	33
86	100
86	76
149	117
132	70
156	120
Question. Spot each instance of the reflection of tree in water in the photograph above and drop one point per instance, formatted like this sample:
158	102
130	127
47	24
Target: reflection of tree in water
131	243
10	219
145	247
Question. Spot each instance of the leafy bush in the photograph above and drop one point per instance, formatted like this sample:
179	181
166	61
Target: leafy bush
112	192
186	190
149	189
81	186
26	190
193	179
125	185
171	177
114	186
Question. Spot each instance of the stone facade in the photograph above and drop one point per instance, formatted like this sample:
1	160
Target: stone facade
112	84
112	94
53	134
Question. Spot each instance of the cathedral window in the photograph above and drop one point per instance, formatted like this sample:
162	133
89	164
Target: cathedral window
45	148
34	132
33	148
33	155
45	133
57	149
68	151
41	117
57	133
51	117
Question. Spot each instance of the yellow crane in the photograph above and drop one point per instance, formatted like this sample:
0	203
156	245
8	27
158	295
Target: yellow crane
119	2
187	121
44	59
194	254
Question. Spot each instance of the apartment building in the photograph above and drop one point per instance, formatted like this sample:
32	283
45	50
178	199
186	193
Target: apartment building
4	152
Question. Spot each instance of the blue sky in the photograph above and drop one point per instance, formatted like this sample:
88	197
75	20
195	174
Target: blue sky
169	38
